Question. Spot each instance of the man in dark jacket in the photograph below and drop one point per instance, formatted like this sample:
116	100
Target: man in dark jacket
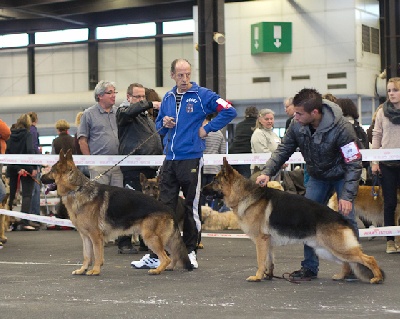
241	140
136	133
327	142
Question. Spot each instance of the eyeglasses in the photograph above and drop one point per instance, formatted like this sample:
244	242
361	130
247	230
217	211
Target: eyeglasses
111	92
139	96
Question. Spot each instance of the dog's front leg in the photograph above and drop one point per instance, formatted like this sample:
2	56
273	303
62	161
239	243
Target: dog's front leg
97	240
87	255
262	244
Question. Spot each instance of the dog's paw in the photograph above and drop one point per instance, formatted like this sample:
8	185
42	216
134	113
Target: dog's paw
80	271
154	272
253	279
376	280
93	272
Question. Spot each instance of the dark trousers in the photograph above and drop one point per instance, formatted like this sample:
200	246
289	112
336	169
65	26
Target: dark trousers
132	178
390	181
27	183
183	175
243	169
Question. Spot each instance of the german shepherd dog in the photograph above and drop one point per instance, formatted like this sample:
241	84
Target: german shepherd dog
4	221
271	217
100	211
150	187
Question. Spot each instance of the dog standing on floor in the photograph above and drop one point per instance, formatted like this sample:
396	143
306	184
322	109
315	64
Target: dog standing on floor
4	221
368	205
101	211
272	217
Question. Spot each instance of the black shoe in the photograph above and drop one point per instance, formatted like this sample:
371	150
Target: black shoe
303	274
351	277
127	250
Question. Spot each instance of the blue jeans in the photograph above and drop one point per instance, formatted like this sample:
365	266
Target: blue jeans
320	191
35	202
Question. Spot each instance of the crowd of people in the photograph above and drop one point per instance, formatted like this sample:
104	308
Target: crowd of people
187	122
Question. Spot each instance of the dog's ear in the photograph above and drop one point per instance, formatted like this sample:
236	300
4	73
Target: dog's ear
61	157
69	155
142	178
226	168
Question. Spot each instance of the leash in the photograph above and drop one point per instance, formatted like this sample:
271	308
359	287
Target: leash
375	183
286	276
124	158
24	175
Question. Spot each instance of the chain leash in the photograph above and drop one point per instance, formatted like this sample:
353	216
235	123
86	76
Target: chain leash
124	158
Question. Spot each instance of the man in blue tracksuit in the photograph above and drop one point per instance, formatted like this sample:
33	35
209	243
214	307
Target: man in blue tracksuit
181	120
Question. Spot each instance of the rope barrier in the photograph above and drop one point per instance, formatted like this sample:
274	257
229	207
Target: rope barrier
368	232
157	160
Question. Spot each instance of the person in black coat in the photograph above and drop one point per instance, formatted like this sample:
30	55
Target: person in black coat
241	141
20	142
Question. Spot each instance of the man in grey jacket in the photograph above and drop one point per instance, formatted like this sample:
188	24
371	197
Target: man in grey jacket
327	142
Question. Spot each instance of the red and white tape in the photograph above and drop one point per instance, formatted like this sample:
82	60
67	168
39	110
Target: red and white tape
38	218
157	160
369	232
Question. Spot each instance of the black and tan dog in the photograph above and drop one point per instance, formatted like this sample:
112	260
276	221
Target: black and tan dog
100	211
272	217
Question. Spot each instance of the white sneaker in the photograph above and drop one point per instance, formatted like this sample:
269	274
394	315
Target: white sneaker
146	263
193	260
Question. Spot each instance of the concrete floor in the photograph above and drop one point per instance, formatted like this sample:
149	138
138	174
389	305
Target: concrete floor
36	282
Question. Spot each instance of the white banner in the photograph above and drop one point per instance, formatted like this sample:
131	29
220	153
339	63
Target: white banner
157	160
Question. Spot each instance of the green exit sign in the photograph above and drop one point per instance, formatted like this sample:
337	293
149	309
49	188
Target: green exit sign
271	37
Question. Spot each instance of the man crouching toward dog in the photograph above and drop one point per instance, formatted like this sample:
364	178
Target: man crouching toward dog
327	142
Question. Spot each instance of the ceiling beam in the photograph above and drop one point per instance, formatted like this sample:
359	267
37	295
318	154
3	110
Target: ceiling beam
162	12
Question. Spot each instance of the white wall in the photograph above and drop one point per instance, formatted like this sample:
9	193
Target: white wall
326	38
14	72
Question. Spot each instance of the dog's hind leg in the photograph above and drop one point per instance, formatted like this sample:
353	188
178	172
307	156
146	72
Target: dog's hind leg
262	244
87	255
177	249
3	237
154	242
344	245
346	270
269	273
366	268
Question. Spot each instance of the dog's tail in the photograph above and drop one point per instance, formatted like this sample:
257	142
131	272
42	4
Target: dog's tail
364	273
178	249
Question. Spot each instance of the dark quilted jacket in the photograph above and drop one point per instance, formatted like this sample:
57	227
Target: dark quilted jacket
321	151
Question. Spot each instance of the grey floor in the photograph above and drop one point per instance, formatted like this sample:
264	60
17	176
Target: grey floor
36	282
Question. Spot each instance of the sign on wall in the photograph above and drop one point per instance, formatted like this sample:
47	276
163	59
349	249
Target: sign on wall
271	37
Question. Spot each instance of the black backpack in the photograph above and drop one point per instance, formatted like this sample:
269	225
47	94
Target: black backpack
362	136
363	142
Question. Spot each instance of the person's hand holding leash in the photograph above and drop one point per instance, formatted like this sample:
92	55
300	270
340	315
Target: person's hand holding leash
168	122
262	180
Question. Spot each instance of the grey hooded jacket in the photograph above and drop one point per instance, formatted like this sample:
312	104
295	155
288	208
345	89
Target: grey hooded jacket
322	150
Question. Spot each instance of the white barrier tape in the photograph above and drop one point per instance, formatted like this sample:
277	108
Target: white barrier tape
368	232
380	231
157	160
38	218
219	235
